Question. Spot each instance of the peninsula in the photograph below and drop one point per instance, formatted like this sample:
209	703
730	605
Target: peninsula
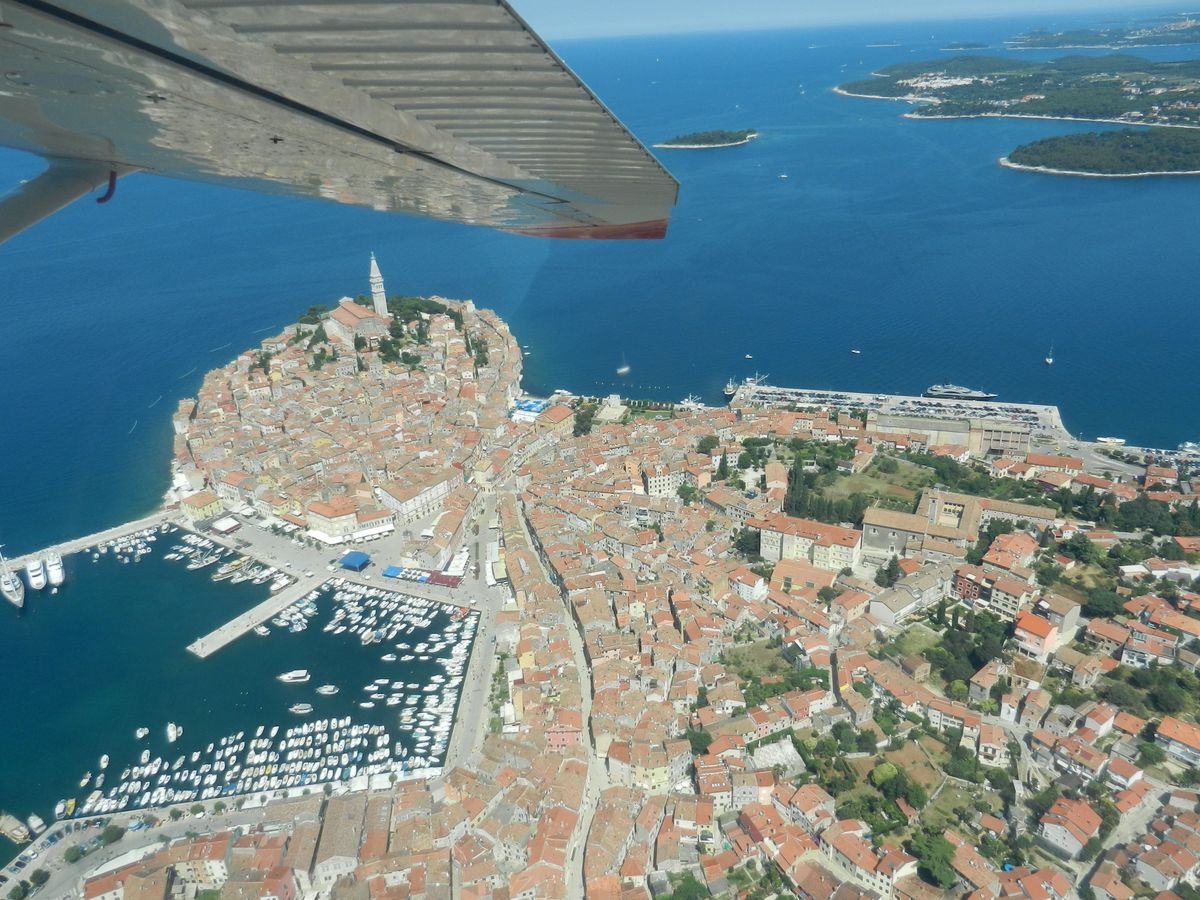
709	140
816	643
1164	34
1117	89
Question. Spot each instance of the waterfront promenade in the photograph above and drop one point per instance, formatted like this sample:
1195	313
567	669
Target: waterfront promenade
1037	417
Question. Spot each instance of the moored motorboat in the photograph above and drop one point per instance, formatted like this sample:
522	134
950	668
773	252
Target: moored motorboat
54	569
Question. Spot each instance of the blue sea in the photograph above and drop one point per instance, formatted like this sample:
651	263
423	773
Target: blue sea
78	664
901	238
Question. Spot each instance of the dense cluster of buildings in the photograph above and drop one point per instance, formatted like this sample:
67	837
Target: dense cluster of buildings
627	603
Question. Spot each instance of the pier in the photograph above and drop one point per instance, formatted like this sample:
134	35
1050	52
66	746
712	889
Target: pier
233	629
226	634
92	540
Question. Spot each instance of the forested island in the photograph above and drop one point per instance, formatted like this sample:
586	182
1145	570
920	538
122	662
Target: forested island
1154	151
1165	34
1117	88
705	140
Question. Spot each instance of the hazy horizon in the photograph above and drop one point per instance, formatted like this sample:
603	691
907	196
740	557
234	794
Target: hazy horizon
614	18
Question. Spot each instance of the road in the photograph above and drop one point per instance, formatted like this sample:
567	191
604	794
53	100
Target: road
66	879
597	775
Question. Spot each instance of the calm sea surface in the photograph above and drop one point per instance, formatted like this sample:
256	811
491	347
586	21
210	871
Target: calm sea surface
898	237
79	664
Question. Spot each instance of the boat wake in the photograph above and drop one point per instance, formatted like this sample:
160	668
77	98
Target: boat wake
187	373
135	423
222	347
155	403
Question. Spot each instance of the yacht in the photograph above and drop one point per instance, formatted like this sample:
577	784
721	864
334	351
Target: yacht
173	732
956	392
1049	360
141	733
87	776
11	584
36	825
327	690
856	352
104	761
262	630
296	676
54	569
300	709
35	572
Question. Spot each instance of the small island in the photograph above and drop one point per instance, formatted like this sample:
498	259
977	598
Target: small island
1119	89
709	140
1128	153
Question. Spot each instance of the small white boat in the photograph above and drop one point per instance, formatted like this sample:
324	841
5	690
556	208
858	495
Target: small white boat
296	676
300	709
856	352
104	761
141	733
83	782
173	732
327	690
749	356
262	630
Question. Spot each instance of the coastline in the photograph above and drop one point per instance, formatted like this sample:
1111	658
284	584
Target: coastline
1006	115
747	139
1046	170
907	98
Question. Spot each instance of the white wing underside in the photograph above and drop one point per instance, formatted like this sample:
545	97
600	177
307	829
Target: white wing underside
452	109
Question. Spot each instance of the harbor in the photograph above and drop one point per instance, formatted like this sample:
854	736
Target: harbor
383	673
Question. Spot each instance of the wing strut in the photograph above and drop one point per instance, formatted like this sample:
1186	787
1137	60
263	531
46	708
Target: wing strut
64	181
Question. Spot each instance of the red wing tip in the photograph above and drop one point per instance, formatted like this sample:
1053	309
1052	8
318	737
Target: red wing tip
637	231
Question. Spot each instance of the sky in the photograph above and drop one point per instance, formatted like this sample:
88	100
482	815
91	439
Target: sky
601	18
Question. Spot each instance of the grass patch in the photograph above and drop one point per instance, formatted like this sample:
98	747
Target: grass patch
915	765
905	482
756	660
914	640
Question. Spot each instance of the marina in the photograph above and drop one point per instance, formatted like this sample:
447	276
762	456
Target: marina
351	710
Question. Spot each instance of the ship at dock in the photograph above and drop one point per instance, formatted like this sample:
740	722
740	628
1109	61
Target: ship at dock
11	585
956	392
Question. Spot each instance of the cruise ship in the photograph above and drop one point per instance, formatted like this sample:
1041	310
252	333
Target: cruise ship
35	571
54	570
956	392
11	584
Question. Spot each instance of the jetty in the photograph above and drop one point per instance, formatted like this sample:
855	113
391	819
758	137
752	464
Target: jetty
226	634
249	620
109	534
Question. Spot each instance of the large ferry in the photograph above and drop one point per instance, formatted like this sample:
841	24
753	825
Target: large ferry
54	570
956	392
11	584
35	571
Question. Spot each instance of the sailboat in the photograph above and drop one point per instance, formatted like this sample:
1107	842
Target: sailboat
1050	356
623	369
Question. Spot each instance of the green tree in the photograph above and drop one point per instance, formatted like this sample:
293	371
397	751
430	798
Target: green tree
889	574
746	541
707	444
17	892
689	889
38	877
687	493
111	834
73	854
723	467
934	855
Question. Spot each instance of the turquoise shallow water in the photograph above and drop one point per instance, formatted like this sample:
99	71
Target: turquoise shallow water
88	666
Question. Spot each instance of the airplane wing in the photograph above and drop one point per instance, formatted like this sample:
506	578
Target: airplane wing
453	109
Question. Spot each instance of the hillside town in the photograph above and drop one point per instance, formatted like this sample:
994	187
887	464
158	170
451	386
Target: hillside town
746	652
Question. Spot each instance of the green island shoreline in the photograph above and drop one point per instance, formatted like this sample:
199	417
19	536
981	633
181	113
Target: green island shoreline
709	140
